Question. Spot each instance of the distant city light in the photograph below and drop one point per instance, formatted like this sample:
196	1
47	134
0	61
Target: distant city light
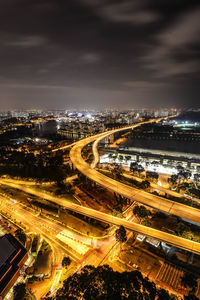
89	116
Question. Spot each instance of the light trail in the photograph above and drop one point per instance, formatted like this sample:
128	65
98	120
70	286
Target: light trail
168	206
144	230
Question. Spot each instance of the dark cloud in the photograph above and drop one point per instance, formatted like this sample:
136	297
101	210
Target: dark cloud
58	53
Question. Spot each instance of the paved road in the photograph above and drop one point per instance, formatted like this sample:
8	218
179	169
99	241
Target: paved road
63	147
178	209
147	231
161	188
48	230
143	197
165	205
36	223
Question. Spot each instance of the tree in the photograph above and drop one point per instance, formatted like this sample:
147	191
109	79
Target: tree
181	228
197	177
153	175
155	163
190	296
110	156
149	288
173	179
180	168
128	157
145	221
145	184
163	295
189	280
103	283
66	262
121	158
141	211
20	236
119	202
57	174
184	175
136	168
120	235
117	171
21	292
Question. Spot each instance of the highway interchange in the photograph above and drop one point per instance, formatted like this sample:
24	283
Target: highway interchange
147	231
183	211
50	230
171	207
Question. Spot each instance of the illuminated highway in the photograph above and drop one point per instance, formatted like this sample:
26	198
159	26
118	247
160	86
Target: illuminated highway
129	192
165	205
159	187
64	147
47	229
36	223
168	206
147	231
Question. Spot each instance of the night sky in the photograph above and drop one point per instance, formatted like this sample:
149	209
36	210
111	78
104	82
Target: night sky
61	54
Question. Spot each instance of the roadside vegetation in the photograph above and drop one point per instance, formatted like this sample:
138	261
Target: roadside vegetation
116	172
46	166
104	283
21	292
42	266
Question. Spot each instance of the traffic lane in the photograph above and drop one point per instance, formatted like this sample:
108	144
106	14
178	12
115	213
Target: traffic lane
160	235
141	196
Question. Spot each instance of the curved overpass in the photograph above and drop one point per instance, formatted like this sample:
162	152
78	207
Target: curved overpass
127	191
143	197
147	231
168	206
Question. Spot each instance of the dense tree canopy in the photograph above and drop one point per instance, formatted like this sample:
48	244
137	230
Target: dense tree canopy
21	236
189	280
103	283
43	166
153	175
120	234
136	168
141	211
21	292
66	262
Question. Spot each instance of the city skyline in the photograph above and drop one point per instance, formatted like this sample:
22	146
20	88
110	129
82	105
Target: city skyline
99	54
